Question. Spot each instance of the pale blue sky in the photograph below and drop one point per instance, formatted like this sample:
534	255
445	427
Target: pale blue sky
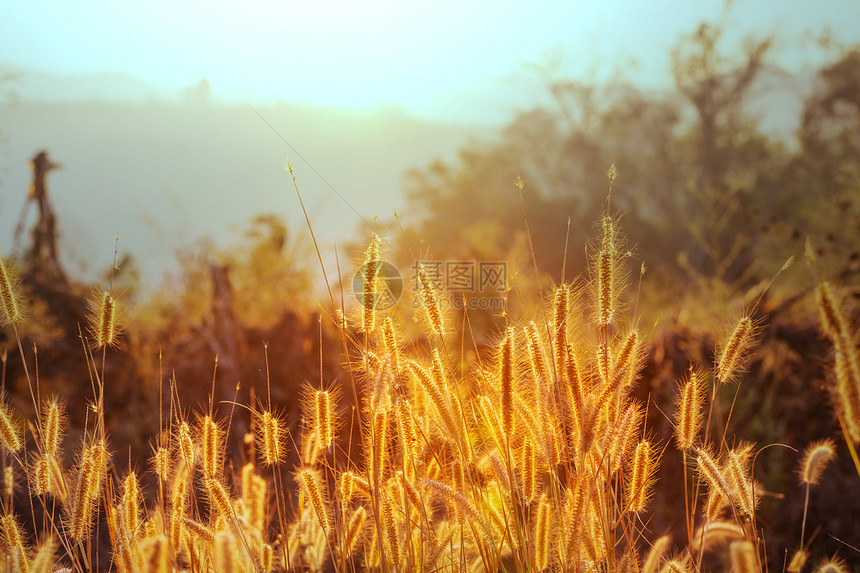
419	54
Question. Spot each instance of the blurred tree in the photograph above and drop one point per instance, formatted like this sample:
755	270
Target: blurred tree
823	178
729	159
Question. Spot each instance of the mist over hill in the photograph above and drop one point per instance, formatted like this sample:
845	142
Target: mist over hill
163	175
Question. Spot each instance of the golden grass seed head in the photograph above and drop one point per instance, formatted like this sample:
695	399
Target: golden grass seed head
256	509
10	432
53	416
798	560
430	302
353	530
82	503
161	463
224	553
675	566
605	287
743	557
847	391
528	471
210	438
734	350
658	548
832	565
104	326
715	503
643	468
309	483
270	437
391	533
815	459
709	470
627	353
543	534
131	503
155	551
9	295
406	429
832	320
219	498
99	457
177	509
740	481
186	444
379	446
604	361
199	530
354	485
9	481
43	561
42	477
537	357
323	425
390	341
714	533
688	417
267	558
507	378
370	274
437	397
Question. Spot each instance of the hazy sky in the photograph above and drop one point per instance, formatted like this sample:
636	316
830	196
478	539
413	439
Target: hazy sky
419	54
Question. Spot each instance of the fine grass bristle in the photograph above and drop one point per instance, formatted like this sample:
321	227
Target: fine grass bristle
815	459
8	287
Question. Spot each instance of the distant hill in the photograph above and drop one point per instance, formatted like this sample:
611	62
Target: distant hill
167	174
